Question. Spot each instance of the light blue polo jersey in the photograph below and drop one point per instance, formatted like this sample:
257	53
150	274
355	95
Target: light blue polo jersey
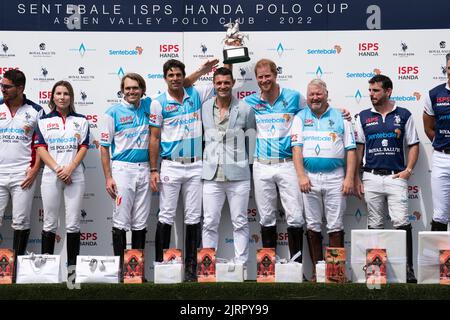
273	123
125	129
324	140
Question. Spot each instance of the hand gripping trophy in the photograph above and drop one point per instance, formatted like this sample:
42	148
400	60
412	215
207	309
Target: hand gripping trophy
233	50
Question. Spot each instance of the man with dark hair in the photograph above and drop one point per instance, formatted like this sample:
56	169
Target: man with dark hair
19	164
229	126
436	122
176	136
381	133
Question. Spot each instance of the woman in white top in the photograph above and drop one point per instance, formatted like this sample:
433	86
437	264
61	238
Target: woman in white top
62	143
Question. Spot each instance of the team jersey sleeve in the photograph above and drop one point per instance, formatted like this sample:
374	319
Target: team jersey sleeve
349	136
411	135
359	132
302	102
156	118
205	92
39	140
428	108
107	130
84	139
297	132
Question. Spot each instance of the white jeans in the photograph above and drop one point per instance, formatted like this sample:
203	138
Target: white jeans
440	186
377	189
214	194
325	198
132	205
22	200
266	178
176	176
52	190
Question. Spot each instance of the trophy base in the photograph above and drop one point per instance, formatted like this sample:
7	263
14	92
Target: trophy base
235	55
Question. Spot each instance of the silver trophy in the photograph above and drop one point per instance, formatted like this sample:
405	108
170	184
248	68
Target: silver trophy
233	50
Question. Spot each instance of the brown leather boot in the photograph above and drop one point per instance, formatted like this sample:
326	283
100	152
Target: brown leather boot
336	239
315	249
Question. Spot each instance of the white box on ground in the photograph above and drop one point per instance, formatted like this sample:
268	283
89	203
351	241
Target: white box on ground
289	272
169	273
394	241
430	242
229	272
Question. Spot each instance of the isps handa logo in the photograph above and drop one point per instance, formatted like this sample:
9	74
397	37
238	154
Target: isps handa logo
89	239
169	51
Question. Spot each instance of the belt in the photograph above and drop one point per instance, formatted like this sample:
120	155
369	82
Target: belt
273	161
183	160
381	172
446	151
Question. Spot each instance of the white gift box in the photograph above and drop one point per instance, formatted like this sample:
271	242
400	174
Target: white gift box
38	268
229	272
97	269
321	267
430	242
394	241
289	272
169	272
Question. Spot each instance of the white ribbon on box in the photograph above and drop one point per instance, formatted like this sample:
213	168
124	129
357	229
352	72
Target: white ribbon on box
430	242
38	268
374	239
289	270
97	269
229	270
169	271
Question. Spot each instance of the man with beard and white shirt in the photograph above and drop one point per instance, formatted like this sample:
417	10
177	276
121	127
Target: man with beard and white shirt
381	133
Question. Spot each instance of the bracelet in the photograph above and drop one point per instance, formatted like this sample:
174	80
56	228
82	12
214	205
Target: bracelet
409	170
153	170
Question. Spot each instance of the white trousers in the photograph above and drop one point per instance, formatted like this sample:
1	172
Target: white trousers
132	205
325	198
440	186
214	194
52	190
22	200
176	176
379	188
282	175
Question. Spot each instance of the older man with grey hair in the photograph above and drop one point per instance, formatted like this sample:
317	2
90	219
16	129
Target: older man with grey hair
323	148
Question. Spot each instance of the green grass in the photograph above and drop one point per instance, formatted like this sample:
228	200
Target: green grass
224	291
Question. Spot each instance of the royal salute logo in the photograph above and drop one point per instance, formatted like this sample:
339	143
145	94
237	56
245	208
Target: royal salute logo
368	49
41	51
81	74
283	75
440	49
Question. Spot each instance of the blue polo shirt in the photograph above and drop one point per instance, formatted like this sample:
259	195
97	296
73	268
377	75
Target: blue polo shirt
385	138
324	140
273	123
437	104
